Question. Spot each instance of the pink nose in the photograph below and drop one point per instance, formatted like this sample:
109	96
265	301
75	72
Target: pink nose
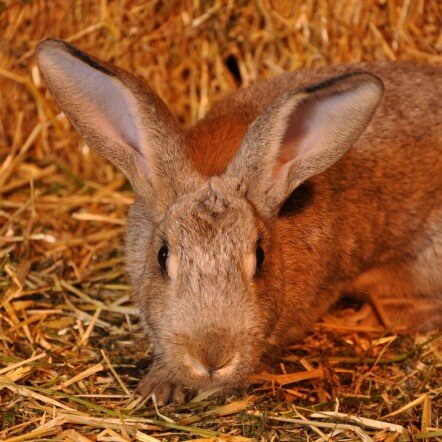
210	353
203	370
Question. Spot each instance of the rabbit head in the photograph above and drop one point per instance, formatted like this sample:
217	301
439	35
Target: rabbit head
201	251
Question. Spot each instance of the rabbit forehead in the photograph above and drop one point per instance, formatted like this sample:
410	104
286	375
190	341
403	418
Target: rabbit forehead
212	216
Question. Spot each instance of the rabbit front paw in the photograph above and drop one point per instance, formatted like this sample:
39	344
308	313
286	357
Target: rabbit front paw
157	382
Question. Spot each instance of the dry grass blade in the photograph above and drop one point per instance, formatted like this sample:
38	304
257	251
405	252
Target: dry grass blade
370	423
80	376
25	392
335	426
73	436
408	406
21	363
145	437
222	410
41	432
285	379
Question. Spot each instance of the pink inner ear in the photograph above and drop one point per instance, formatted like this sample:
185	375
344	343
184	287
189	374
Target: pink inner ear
291	144
98	99
313	126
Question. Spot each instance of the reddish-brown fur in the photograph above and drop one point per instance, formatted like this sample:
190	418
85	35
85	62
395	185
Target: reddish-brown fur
213	142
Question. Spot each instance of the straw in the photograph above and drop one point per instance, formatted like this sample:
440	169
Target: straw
71	349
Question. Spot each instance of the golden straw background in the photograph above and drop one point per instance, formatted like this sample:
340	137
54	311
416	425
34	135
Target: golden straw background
70	349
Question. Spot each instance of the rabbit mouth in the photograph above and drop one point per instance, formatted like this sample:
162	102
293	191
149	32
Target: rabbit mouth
179	382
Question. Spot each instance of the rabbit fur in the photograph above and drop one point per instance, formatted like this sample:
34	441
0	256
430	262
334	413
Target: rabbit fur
249	225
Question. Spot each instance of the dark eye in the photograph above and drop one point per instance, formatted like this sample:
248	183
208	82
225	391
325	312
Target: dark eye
260	255
163	253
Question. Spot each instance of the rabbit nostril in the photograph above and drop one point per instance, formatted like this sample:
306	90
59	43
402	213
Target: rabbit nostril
195	365
225	363
228	366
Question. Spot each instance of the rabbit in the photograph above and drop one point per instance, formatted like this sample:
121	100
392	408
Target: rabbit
249	225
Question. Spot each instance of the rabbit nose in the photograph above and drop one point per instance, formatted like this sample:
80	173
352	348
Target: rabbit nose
215	355
204	369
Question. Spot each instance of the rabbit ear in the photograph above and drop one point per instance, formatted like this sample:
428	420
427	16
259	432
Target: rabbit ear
120	117
301	134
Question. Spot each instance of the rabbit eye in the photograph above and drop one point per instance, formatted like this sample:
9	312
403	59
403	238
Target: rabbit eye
163	254
260	255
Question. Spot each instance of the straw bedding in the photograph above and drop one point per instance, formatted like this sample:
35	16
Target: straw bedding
70	348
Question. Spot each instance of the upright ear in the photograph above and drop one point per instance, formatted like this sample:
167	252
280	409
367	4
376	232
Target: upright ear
301	134
121	118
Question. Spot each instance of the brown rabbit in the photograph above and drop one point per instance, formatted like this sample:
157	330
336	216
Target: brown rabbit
248	226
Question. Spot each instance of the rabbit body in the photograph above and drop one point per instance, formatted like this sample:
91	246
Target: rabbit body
372	222
248	226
